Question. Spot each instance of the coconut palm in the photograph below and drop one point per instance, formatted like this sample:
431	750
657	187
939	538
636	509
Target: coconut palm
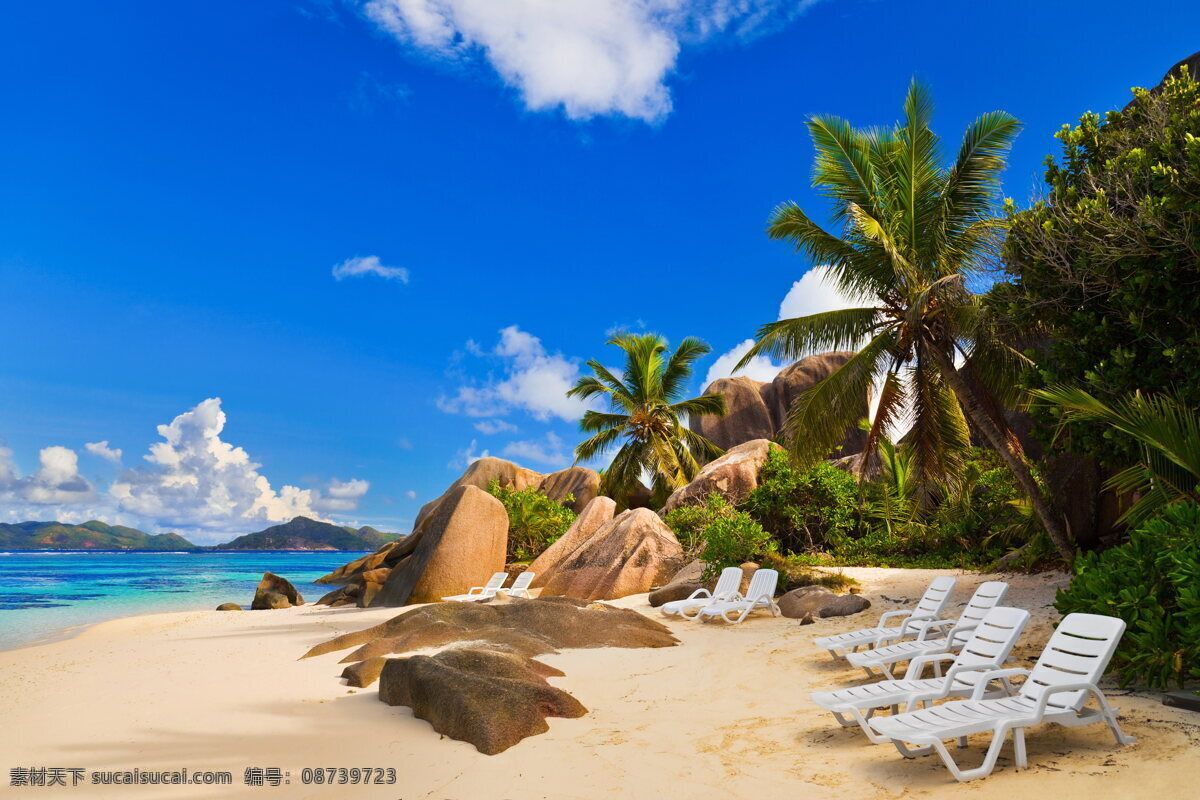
647	416
912	232
1166	430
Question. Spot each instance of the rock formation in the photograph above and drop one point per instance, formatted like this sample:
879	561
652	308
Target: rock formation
629	555
459	546
595	515
757	410
816	602
733	475
492	700
580	482
275	592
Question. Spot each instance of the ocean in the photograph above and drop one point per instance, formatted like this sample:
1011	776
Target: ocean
46	594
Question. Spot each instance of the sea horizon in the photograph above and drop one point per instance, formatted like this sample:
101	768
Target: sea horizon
46	595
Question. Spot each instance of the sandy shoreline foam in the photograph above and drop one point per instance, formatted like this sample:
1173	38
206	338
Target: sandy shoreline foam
724	715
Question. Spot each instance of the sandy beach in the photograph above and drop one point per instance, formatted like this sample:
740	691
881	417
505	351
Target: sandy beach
724	715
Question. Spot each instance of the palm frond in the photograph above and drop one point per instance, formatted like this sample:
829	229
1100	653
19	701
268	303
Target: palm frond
789	339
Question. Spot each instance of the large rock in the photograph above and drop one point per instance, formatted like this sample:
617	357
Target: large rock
480	474
760	410
746	414
533	627
492	700
580	482
275	592
350	571
733	476
598	513
460	546
817	601
631	554
229	607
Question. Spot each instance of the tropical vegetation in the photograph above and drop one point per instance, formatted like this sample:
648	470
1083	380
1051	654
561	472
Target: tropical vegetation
535	521
913	233
646	419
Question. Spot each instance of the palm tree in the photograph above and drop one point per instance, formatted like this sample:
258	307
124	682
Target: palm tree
912	232
647	415
1166	430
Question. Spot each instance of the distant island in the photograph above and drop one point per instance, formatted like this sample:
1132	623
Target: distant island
301	533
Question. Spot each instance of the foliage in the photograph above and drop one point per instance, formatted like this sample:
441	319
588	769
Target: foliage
803	509
535	521
1167	433
913	234
1106	266
645	410
1153	583
796	571
719	534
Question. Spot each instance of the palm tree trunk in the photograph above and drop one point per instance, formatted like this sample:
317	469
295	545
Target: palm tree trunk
1008	450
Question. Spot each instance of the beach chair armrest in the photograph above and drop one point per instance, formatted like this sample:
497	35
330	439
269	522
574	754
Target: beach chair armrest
934	625
959	630
905	626
917	665
699	594
1050	691
995	675
889	614
476	590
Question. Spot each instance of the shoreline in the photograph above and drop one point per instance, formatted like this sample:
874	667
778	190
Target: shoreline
725	714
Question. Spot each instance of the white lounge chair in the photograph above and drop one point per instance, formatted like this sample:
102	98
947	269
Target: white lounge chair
520	587
986	649
481	592
689	608
1054	691
934	637
928	609
759	595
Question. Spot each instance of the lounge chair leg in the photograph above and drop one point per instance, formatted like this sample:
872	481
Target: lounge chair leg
861	719
1019	748
912	752
962	743
984	769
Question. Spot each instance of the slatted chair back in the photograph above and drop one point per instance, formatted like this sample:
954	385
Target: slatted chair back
523	580
729	582
1078	652
994	639
936	596
763	582
496	581
989	595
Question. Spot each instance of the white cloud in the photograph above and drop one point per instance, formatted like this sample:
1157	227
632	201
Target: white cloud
546	451
410	494
535	381
589	57
56	481
814	293
467	456
360	266
341	495
494	426
102	450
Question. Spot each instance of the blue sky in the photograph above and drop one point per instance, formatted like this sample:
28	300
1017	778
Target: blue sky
502	183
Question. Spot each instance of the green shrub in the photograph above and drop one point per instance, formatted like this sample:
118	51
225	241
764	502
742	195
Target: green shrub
1153	583
803	509
796	571
535	521
718	533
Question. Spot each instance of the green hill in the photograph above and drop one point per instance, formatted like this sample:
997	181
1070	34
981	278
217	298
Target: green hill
303	533
94	535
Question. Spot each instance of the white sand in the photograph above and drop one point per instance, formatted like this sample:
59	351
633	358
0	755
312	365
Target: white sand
724	715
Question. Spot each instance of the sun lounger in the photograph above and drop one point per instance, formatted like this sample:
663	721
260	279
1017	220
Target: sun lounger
934	638
1055	690
928	609
689	608
520	587
481	592
986	649
760	595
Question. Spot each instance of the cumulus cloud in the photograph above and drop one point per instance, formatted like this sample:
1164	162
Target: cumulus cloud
56	481
545	451
814	293
535	381
361	266
102	450
341	495
588	57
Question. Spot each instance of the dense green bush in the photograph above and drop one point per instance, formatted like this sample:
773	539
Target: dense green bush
803	509
718	534
1102	269
535	521
1153	583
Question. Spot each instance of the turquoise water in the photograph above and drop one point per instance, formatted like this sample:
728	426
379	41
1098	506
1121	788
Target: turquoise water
44	594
